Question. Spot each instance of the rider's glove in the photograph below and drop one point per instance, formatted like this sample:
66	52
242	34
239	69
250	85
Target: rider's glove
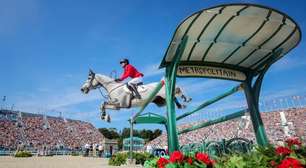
117	80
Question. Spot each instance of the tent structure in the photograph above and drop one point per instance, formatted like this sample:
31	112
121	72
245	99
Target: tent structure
236	42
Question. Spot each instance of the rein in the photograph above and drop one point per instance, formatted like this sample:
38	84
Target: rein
104	96
115	88
107	96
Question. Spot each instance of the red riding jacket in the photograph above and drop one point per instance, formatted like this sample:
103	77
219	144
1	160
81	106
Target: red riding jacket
130	71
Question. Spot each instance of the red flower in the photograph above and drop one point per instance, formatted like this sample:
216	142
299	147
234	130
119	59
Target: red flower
290	163
282	150
162	162
203	157
273	163
212	162
176	156
189	160
293	141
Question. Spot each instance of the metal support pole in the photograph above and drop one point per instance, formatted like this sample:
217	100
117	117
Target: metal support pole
252	94
211	101
215	121
252	101
149	99
170	81
131	141
172	133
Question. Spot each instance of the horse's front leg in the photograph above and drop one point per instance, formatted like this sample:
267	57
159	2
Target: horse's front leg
112	106
103	115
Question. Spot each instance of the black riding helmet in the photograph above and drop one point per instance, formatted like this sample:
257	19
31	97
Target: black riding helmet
124	61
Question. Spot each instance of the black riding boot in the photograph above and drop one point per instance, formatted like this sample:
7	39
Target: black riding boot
130	88
137	95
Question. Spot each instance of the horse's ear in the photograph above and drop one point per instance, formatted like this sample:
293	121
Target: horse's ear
90	71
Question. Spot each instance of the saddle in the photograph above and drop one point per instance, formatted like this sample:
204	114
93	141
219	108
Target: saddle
139	86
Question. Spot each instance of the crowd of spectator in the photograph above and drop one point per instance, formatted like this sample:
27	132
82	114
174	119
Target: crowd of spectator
277	129
38	132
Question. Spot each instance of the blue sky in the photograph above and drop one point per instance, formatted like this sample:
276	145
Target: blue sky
47	47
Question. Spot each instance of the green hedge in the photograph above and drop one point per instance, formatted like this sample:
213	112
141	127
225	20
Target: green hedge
75	154
23	154
142	157
290	155
121	158
118	159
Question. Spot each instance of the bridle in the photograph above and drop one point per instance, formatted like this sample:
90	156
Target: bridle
93	75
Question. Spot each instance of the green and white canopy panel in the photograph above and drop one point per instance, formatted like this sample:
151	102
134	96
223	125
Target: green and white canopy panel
238	38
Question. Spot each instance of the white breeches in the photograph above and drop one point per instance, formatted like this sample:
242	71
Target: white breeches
135	81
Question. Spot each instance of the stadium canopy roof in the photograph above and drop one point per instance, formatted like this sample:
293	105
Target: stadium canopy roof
239	37
127	140
150	118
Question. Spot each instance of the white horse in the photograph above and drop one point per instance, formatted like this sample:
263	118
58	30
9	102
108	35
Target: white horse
119	96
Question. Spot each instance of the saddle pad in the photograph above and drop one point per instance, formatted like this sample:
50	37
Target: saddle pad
141	89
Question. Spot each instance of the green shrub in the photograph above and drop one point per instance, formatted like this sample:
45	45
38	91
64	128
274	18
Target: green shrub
142	157
291	154
151	163
271	156
23	154
118	159
75	154
121	158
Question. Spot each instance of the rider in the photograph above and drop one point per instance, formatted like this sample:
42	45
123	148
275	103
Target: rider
130	71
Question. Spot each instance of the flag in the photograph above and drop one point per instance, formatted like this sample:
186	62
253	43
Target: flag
4	98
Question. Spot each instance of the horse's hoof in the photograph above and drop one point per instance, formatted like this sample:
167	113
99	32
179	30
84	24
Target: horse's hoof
107	118
102	108
181	106
188	100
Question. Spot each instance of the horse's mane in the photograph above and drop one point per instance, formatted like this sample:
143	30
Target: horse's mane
105	77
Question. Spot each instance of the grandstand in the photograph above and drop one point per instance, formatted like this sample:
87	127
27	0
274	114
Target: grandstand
279	124
36	132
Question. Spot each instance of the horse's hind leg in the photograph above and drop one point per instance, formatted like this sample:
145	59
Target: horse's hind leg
178	104
186	99
179	93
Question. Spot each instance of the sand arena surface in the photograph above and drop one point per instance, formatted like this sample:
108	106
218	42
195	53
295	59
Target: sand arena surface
57	162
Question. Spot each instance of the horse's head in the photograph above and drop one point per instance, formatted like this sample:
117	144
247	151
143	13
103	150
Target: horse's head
90	83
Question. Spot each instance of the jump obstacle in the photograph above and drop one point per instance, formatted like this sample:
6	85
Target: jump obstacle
237	42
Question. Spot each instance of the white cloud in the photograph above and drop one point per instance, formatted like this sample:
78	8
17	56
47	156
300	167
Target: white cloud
56	99
82	115
152	70
267	96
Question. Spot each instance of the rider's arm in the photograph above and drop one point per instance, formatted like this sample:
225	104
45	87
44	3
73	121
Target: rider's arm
126	73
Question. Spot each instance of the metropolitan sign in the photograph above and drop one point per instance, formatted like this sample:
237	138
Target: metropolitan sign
207	71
